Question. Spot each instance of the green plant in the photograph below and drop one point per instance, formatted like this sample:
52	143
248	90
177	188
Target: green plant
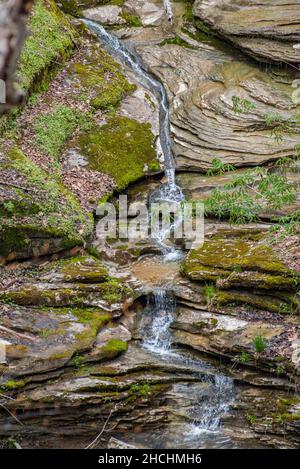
53	129
241	105
259	344
140	388
9	207
244	358
280	370
287	225
209	292
51	37
241	199
219	168
280	125
251	418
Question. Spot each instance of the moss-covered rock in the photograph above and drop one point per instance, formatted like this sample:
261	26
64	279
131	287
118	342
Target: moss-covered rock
111	292
243	270
51	38
231	255
99	77
122	148
39	215
85	269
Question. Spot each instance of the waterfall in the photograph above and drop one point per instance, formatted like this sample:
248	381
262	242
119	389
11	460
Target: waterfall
119	51
156	332
161	310
165	193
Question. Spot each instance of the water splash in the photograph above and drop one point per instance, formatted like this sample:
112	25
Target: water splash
214	399
156	329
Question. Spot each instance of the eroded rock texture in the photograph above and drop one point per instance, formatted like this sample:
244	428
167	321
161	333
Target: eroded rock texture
267	30
219	106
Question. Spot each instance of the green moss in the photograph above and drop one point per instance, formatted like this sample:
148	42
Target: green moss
51	37
114	347
113	291
95	322
101	78
72	7
46	210
176	41
12	385
229	254
266	303
82	295
52	130
83	269
131	20
141	388
123	148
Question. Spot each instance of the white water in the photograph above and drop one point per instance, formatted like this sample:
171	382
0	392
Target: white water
169	192
212	404
214	401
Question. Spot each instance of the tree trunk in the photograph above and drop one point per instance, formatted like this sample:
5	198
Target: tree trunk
13	27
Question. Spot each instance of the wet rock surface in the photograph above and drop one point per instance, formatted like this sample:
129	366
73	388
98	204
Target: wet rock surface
75	329
202	84
264	30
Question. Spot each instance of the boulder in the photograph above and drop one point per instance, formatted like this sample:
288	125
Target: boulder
109	15
150	13
268	31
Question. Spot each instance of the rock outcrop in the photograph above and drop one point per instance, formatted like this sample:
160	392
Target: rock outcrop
269	31
220	106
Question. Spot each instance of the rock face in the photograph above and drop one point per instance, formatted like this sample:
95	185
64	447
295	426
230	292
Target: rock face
266	30
108	15
249	293
62	313
219	106
150	13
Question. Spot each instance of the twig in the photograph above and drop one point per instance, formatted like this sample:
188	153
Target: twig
90	446
17	186
10	331
10	413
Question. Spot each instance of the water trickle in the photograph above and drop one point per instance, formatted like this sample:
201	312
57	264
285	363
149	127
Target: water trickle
169	192
119	51
213	400
156	331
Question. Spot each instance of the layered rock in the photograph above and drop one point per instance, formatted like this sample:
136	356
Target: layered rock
219	106
246	268
39	215
267	31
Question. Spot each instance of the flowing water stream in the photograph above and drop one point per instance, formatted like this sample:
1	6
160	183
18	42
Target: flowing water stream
213	400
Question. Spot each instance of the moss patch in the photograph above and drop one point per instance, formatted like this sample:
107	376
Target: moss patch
113	348
230	254
83	269
52	130
12	385
122	148
100	78
46	210
51	37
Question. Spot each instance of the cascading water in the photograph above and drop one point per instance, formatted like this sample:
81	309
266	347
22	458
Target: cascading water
119	51
214	400
168	192
156	331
